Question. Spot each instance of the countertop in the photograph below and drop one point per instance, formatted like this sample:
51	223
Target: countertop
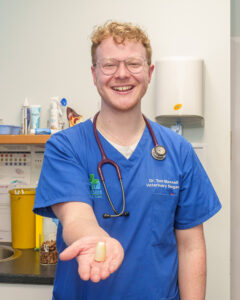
27	269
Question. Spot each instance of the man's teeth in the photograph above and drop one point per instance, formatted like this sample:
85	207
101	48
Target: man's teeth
122	88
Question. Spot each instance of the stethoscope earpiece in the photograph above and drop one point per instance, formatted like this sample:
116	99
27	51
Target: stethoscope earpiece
106	216
124	214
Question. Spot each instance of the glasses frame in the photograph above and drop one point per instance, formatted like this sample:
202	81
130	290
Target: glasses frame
118	64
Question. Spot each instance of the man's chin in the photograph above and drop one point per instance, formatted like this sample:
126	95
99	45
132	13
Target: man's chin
125	107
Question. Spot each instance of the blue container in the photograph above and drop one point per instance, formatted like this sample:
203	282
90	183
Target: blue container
15	129
5	129
9	129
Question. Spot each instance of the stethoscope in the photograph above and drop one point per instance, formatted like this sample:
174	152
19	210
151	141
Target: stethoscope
158	153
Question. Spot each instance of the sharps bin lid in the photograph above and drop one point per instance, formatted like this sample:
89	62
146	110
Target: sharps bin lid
22	191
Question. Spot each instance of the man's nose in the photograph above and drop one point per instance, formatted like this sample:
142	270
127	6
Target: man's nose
122	70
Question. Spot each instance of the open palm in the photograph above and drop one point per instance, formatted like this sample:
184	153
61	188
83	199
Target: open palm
84	251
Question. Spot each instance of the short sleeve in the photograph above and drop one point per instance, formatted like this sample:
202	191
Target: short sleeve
198	200
63	177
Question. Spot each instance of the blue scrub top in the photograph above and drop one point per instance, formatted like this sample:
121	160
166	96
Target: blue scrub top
161	196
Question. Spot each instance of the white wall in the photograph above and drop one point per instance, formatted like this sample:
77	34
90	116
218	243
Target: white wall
45	51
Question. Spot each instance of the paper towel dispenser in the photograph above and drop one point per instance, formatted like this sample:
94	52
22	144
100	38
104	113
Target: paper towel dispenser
179	90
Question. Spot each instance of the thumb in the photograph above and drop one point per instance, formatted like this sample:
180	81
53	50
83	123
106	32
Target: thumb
71	251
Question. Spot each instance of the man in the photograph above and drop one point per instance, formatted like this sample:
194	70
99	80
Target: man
156	248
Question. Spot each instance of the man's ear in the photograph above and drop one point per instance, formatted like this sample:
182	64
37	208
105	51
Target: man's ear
150	71
94	74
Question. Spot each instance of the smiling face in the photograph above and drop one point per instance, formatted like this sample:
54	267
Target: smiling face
123	90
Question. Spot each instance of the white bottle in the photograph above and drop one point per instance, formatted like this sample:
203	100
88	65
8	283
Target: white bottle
25	125
54	115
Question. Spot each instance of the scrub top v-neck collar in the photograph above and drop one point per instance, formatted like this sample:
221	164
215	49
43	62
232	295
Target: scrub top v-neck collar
115	155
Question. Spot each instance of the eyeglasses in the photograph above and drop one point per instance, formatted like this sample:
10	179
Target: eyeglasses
109	66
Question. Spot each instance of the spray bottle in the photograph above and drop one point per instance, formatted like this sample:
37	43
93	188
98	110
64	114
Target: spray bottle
56	113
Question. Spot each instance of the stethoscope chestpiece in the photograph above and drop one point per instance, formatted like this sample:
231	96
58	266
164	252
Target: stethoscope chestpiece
159	152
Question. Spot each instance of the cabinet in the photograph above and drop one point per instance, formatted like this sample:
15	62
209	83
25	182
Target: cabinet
25	291
21	158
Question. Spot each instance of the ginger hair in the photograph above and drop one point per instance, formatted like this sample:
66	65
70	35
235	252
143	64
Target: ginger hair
120	32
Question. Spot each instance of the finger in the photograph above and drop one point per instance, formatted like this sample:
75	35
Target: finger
104	273
104	269
95	274
84	270
71	251
116	261
113	266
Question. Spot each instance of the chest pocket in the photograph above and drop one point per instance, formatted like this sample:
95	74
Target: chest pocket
163	209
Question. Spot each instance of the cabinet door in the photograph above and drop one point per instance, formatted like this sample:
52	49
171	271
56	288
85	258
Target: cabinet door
25	291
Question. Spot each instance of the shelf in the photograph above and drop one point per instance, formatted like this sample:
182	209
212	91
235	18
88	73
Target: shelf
23	139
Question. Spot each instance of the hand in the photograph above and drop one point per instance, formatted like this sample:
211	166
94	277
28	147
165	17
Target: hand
84	251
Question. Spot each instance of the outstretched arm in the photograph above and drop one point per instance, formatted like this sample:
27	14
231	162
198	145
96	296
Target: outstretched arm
192	263
81	232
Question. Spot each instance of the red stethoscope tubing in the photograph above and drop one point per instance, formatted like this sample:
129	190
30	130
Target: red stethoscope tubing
106	160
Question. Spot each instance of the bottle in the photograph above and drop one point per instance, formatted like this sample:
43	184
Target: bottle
57	111
35	111
25	125
54	114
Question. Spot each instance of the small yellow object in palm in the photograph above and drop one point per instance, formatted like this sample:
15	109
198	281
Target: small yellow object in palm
100	252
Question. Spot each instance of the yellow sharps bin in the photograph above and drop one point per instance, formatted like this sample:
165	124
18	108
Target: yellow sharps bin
22	218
